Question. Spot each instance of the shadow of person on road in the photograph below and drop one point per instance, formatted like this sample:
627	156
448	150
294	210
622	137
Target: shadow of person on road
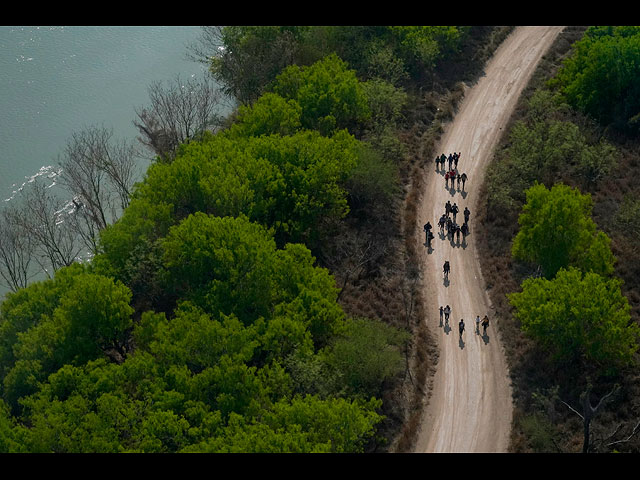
447	327
446	281
485	338
460	342
429	248
463	194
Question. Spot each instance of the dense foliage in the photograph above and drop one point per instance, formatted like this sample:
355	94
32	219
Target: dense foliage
556	231
249	58
204	324
601	77
578	317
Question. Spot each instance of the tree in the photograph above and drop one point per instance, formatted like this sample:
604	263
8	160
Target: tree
245	59
589	411
221	264
578	317
42	216
99	174
177	114
367	354
599	78
330	95
17	250
95	315
269	114
556	231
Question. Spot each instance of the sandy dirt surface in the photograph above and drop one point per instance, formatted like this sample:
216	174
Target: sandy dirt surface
470	407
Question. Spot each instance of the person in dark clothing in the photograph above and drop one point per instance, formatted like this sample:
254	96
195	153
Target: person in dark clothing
485	324
467	213
454	211
446	268
463	177
427	231
442	222
464	229
461	326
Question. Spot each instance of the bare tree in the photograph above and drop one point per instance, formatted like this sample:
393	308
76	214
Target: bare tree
16	251
207	46
589	411
39	216
98	173
178	113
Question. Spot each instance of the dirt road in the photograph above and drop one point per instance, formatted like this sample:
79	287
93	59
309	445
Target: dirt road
470	407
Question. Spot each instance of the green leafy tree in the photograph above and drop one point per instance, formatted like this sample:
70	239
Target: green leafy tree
231	266
556	231
600	77
330	95
269	114
303	425
222	264
578	317
250	57
367	354
95	314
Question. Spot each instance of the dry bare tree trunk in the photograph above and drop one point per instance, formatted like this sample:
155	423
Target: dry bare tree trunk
590	412
177	113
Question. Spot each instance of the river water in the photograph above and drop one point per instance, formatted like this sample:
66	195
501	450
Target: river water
58	80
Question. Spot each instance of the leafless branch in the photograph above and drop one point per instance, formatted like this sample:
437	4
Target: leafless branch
178	113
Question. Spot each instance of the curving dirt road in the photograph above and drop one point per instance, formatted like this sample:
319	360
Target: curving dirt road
470	407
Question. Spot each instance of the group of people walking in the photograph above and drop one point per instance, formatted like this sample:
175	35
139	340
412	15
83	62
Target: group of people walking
445	313
451	174
449	222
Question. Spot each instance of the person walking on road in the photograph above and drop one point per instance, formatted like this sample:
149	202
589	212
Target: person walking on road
485	324
446	268
461	327
454	211
447	312
441	313
478	324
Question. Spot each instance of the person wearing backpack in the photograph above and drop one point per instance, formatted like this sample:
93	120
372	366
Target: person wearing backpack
485	324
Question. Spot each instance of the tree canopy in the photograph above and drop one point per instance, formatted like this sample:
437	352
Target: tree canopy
600	77
578	316
556	231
